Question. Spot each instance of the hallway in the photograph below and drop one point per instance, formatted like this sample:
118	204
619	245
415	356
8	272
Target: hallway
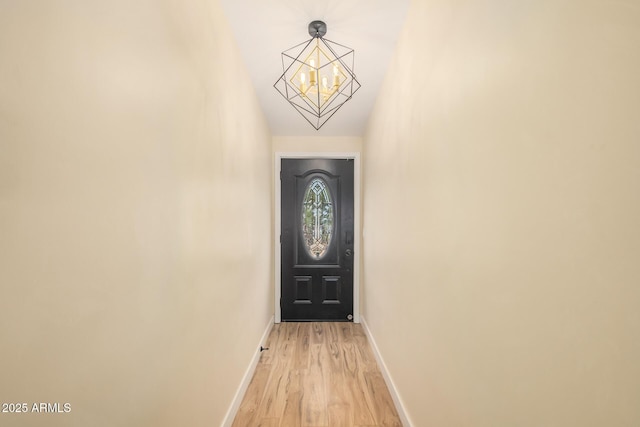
496	246
317	374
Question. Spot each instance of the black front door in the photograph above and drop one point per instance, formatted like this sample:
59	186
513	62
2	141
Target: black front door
317	239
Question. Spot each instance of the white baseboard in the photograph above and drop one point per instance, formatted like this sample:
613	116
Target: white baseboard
404	417
248	375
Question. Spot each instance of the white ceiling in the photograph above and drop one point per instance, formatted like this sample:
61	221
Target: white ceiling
265	28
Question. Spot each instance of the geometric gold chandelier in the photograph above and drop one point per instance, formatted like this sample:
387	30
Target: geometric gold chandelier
317	77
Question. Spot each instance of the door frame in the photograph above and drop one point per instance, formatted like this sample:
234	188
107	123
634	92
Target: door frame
356	223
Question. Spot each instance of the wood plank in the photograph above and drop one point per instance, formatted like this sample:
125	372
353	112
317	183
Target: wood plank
314	404
340	415
365	357
334	377
358	334
357	395
345	332
331	332
291	329
385	411
292	414
266	357
276	391
301	361
268	422
317	332
253	397
280	381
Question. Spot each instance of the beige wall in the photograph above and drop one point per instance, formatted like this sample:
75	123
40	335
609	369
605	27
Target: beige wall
502	245
134	213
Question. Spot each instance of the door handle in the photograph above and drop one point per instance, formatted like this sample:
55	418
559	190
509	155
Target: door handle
347	253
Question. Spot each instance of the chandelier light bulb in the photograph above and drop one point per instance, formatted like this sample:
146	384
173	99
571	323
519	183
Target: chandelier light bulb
325	88
312	72
303	86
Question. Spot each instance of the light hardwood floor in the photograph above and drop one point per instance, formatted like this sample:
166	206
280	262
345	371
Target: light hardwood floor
317	374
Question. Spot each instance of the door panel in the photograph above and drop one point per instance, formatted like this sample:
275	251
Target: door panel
317	239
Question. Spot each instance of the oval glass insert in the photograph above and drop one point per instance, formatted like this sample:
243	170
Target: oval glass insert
317	218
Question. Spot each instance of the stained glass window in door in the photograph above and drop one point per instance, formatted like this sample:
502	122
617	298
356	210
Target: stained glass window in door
317	218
